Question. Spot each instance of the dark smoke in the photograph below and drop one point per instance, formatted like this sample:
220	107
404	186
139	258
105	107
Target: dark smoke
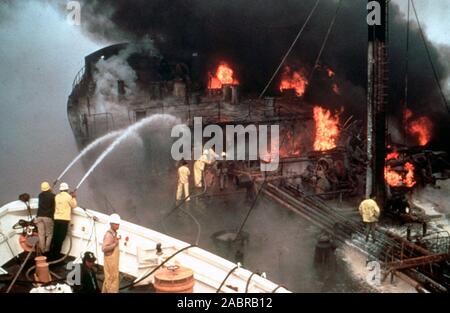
253	35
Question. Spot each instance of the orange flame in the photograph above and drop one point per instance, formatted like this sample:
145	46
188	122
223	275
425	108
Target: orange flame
421	128
224	75
293	80
392	156
330	72
327	130
396	179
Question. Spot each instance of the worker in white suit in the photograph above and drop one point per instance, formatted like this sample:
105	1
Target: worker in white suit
199	166
183	181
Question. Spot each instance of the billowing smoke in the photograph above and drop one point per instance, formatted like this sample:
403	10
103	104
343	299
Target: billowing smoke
252	36
108	72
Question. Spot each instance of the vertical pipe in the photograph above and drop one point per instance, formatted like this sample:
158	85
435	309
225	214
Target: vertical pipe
369	174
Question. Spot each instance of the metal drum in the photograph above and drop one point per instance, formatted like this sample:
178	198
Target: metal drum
174	279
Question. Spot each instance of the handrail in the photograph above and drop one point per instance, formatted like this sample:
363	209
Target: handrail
78	77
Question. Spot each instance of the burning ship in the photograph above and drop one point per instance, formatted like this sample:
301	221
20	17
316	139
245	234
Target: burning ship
328	159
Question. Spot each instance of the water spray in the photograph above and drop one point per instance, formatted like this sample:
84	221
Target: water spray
169	119
88	148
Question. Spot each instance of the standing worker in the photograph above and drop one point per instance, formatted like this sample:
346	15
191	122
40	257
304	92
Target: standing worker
222	171
111	250
183	181
199	167
44	217
64	203
370	212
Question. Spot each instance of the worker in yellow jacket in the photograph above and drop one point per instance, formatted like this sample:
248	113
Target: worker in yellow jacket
183	181
64	203
370	212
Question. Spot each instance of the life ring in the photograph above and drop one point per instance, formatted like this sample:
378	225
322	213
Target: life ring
25	241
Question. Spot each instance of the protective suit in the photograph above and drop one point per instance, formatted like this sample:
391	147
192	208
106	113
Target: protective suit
183	183
111	251
199	167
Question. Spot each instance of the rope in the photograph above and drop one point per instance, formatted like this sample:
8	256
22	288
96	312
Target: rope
20	270
436	77
256	197
248	282
199	227
316	63
156	268
226	277
27	274
278	287
405	126
178	206
289	50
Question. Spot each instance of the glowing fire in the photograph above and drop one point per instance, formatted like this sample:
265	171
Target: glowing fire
293	80
336	89
396	179
421	128
224	75
327	130
392	156
291	146
330	72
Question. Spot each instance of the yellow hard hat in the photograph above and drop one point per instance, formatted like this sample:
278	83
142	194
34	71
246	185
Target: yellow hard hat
45	186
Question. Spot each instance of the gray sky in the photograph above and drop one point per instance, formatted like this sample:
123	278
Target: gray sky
39	57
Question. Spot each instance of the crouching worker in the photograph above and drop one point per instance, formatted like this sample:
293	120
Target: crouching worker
88	281
110	248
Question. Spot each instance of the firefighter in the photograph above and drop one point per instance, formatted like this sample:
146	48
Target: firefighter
222	171
110	248
44	217
370	212
183	181
64	203
199	168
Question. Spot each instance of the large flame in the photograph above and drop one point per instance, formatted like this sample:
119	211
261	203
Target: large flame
421	128
396	179
291	79
327	130
224	75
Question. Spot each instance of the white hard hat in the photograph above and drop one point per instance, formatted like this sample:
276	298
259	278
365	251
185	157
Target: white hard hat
224	154
63	187
114	218
205	151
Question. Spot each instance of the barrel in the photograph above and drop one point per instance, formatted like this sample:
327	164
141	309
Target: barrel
42	271
174	279
40	259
